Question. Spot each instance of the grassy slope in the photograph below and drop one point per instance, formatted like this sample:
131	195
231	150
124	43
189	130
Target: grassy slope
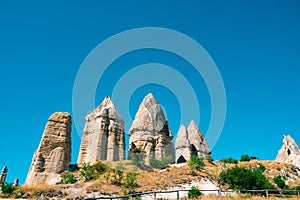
151	181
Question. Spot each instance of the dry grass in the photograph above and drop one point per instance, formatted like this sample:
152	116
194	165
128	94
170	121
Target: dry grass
155	181
34	188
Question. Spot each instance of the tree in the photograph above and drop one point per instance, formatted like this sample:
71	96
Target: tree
137	156
261	168
241	178
160	164
280	181
245	158
196	163
7	188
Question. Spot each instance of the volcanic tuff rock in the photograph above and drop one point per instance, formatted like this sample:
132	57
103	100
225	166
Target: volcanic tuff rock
3	175
150	131
289	152
103	136
183	146
54	151
190	142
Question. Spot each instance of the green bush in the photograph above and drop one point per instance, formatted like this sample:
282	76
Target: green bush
137	156
100	167
196	163
245	158
117	177
229	160
194	192
87	172
280	181
68	178
241	178
117	174
160	164
7	188
261	168
254	158
130	182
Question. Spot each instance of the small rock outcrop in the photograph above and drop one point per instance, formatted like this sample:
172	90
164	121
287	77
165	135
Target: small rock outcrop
16	182
53	154
190	142
103	136
150	132
289	152
3	175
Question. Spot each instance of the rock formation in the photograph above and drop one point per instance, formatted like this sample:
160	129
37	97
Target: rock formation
183	146
53	154
190	142
3	175
103	136
150	131
289	152
16	182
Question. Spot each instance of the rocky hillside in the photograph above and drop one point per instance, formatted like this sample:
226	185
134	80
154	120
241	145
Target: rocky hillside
107	181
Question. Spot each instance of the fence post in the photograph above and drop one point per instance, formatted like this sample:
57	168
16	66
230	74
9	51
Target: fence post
154	195
267	194
177	194
298	193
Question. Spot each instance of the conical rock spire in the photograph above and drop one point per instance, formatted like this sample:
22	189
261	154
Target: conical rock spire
190	142
150	131
103	136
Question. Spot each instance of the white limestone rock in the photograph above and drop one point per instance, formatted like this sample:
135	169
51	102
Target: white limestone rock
190	142
103	136
150	131
54	151
289	152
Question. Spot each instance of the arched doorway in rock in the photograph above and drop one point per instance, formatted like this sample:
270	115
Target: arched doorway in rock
181	159
194	150
289	152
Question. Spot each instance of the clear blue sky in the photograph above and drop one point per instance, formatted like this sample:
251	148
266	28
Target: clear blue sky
255	45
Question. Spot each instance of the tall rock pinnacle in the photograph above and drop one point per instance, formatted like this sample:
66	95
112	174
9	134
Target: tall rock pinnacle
190	142
289	152
54	151
103	136
183	145
150	131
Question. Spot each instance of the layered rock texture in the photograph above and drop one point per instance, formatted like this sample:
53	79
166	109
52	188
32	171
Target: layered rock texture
53	154
150	132
103	136
289	152
190	142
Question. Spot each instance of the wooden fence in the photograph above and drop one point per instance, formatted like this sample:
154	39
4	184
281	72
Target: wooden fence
221	193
